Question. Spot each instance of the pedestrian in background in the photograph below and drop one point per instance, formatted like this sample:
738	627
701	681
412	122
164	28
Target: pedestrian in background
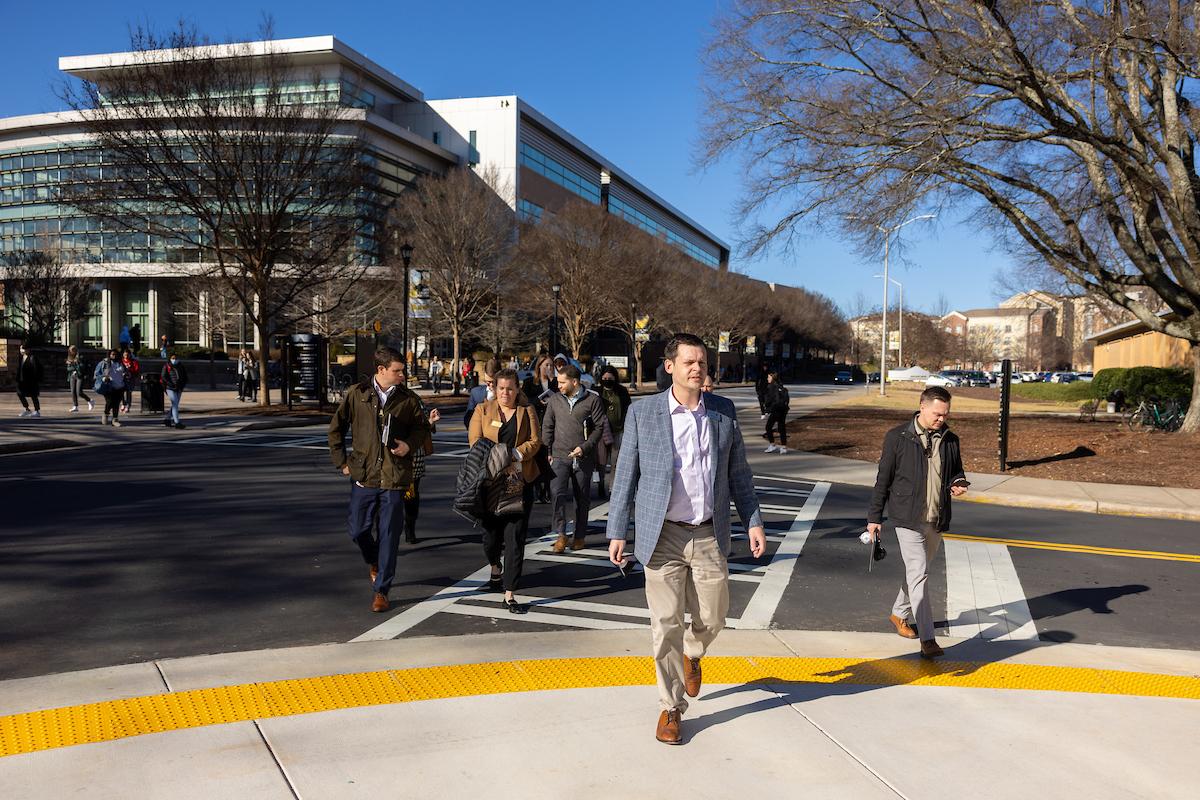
920	469
707	386
109	379
386	426
174	380
616	406
242	362
435	375
684	462
162	346
760	389
252	376
77	374
412	495
133	369
29	381
482	393
511	421
573	426
777	402
661	377
135	338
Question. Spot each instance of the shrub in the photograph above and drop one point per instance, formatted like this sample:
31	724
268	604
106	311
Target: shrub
1142	382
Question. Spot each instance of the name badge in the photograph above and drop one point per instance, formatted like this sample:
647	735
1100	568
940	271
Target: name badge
497	424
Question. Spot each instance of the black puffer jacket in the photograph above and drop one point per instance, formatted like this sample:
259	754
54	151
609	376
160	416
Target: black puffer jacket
903	471
468	488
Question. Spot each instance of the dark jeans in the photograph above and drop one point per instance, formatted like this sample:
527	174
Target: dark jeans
112	402
128	394
412	508
508	533
571	484
762	401
388	506
77	392
777	419
31	393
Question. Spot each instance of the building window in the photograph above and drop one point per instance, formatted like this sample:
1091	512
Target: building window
437	137
93	320
472	148
137	311
656	228
1008	328
529	212
564	176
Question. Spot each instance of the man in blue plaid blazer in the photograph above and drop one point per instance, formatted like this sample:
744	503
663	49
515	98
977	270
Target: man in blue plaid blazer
681	463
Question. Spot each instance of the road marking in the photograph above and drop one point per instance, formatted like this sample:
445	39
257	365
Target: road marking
769	593
1080	548
984	597
110	720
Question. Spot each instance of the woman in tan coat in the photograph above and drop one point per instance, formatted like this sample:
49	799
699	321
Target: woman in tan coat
509	420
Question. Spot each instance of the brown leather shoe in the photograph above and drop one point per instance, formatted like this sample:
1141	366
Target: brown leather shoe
902	627
578	543
930	649
691	676
668	727
380	603
374	573
560	545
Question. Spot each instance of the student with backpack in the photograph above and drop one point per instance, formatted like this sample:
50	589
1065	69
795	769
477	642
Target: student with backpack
777	402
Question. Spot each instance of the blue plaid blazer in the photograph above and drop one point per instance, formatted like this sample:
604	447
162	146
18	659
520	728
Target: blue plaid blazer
646	465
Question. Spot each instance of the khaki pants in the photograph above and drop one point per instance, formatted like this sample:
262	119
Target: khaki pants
687	572
918	548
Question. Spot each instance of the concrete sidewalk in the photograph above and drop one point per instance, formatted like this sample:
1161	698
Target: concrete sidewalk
571	714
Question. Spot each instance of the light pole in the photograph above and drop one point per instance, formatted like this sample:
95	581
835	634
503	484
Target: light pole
633	359
406	251
887	235
556	288
900	357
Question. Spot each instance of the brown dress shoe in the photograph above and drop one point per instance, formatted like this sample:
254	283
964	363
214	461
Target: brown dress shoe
668	727
578	543
691	676
930	649
374	573
560	544
902	627
380	603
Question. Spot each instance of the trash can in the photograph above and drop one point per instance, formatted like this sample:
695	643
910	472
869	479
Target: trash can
1116	401
152	394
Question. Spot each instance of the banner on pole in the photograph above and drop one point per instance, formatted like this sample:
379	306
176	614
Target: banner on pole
642	331
723	342
751	349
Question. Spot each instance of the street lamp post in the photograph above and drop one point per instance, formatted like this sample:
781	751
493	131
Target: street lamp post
633	359
887	235
900	357
556	288
406	251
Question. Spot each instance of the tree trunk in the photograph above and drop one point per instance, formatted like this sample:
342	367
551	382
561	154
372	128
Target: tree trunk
264	357
1191	422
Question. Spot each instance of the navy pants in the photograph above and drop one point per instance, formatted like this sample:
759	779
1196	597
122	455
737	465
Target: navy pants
386	505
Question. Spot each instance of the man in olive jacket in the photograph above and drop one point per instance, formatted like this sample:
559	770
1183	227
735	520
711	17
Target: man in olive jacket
919	471
386	426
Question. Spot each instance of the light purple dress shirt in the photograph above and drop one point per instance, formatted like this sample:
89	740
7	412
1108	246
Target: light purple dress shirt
692	479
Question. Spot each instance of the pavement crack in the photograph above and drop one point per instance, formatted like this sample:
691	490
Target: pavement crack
836	743
163	676
278	764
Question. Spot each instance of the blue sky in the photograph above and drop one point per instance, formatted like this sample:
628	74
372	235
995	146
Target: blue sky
623	76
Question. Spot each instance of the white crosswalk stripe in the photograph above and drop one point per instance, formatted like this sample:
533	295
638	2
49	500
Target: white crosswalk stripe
798	507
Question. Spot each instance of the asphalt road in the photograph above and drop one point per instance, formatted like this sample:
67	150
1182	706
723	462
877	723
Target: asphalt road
154	543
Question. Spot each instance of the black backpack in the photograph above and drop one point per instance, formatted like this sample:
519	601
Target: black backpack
782	400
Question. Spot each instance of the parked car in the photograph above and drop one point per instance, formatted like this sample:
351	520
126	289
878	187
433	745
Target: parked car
1084	376
975	378
843	377
943	378
1063	377
873	377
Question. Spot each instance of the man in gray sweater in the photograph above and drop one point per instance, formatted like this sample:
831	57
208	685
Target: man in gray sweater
571	429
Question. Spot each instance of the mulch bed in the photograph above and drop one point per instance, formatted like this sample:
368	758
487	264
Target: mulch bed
1058	448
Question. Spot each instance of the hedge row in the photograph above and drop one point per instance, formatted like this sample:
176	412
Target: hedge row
1141	382
1057	392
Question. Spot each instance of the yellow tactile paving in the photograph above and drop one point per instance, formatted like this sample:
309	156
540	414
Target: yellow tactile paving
118	719
1080	548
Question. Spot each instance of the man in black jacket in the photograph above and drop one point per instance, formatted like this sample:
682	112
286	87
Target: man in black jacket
29	381
919	471
571	430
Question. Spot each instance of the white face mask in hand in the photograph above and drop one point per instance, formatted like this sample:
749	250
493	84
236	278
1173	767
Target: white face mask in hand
491	393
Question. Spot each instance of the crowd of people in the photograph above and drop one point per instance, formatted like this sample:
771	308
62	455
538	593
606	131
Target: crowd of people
114	378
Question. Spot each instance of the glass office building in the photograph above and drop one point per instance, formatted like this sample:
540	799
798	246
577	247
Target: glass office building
139	279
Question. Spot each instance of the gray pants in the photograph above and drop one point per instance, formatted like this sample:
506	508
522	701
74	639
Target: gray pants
571	484
918	548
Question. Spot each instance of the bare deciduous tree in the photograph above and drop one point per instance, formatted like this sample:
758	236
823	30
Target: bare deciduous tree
1068	124
42	292
211	155
462	234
